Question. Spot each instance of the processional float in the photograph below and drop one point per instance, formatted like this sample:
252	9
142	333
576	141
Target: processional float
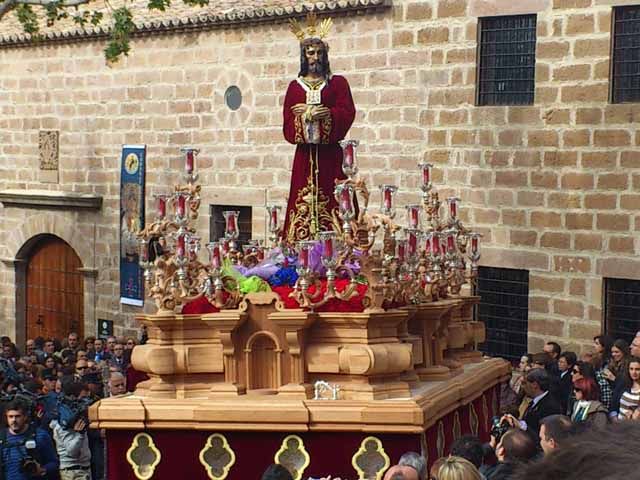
329	356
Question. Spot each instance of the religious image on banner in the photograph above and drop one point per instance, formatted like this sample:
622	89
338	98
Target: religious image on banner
132	177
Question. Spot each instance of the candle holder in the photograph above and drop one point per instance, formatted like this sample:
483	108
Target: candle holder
413	216
273	214
343	194
143	259
349	160
161	206
474	257
453	210
181	208
425	170
190	154
387	193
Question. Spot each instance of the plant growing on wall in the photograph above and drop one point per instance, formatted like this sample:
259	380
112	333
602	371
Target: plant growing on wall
34	14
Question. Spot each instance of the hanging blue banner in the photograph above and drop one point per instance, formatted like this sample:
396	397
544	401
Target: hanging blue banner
132	177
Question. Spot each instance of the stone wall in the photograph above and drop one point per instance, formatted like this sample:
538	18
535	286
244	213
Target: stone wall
554	187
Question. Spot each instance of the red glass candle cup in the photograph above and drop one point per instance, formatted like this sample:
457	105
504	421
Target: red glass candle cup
304	257
387	198
182	205
451	242
189	163
412	243
180	246
162	206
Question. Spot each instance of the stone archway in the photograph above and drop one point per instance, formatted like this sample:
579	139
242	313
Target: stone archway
18	248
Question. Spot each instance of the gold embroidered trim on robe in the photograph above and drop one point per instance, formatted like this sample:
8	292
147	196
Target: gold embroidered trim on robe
327	123
300	223
298	129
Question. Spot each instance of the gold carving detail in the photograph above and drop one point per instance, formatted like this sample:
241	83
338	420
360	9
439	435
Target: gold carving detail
293	456
217	457
370	461
143	456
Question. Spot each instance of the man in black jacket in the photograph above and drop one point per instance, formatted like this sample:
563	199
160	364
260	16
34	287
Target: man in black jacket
536	386
566	361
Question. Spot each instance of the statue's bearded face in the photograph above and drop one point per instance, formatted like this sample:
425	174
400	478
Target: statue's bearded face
315	54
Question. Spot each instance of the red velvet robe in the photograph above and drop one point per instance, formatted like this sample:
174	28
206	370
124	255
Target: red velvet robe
336	95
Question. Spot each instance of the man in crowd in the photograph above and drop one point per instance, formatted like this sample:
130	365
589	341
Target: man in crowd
117	384
401	472
26	452
553	350
514	448
73	344
47	351
81	368
416	462
100	352
554	432
111	343
72	442
536	386
30	348
117	361
566	361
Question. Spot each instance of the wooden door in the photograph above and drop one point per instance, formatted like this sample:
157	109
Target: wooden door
55	299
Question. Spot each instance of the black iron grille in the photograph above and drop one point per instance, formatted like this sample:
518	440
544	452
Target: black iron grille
504	309
507	60
626	54
622	307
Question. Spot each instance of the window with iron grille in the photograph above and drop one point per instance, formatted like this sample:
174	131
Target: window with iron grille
622	307
504	309
217	223
626	55
507	60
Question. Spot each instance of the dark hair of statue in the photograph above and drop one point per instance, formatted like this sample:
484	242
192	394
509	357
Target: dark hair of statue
304	64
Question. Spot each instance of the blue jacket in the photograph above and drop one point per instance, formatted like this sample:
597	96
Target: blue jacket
13	450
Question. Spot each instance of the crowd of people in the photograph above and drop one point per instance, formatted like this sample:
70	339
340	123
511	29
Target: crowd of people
557	412
562	418
46	389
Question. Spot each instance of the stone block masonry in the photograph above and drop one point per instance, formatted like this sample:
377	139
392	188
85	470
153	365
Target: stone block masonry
553	186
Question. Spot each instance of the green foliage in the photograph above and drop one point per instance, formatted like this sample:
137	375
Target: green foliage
28	18
196	3
120	34
158	4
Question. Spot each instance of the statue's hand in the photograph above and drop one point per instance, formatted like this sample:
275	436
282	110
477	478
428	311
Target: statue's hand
320	112
299	108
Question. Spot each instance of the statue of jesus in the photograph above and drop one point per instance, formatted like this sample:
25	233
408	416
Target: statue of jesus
318	112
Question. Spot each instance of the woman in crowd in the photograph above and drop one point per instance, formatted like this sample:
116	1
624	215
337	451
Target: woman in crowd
512	393
456	468
587	407
619	362
631	396
602	344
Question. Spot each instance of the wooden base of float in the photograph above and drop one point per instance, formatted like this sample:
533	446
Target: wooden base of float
244	379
